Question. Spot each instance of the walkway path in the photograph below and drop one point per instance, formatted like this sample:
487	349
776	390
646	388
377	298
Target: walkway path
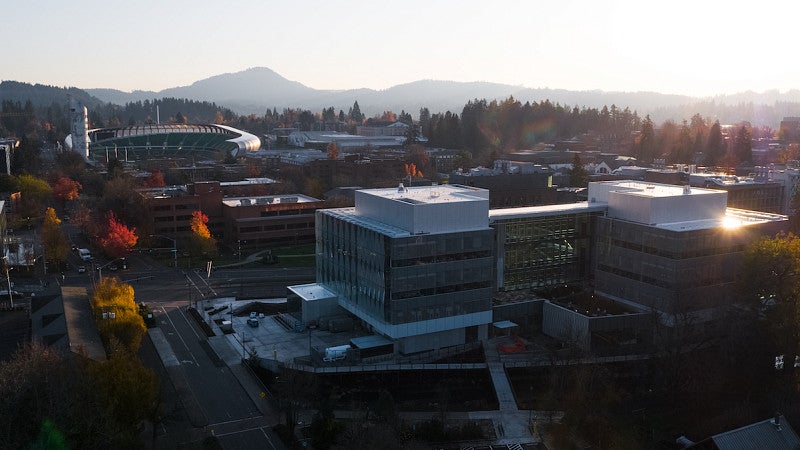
511	424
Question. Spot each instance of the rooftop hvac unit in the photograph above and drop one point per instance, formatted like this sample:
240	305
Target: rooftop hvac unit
245	202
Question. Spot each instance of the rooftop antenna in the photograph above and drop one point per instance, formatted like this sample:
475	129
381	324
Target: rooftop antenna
158	115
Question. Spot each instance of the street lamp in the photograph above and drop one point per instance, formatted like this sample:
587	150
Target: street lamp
8	278
100	268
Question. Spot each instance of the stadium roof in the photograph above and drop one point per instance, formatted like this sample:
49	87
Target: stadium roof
161	139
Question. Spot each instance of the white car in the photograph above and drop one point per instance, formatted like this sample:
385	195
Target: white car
81	269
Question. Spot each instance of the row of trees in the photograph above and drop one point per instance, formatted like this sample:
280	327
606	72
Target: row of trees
53	400
684	143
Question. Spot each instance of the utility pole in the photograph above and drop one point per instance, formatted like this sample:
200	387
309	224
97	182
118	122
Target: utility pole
8	278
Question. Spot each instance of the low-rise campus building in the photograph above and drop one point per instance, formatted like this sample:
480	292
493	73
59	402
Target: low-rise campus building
421	265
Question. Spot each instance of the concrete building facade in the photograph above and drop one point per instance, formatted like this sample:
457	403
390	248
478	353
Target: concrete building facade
671	249
415	264
421	266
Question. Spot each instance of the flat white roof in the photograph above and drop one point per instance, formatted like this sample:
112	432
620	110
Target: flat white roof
546	210
418	195
312	291
248	181
734	218
268	200
654	189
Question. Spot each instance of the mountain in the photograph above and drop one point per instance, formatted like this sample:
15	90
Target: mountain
254	90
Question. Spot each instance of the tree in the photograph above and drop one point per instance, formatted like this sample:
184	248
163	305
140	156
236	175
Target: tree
769	285
117	314
119	240
131	387
324	427
51	398
405	118
412	172
115	169
307	120
155	180
715	146
333	151
33	194
682	152
412	135
66	189
121	198
355	114
419	157
202	242
646	142
578	176
55	243
743	146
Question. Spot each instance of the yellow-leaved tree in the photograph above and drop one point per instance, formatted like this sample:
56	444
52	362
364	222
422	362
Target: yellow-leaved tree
117	314
202	243
55	243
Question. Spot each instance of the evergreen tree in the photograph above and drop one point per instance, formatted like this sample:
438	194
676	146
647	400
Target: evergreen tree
683	148
646	145
743	146
578	176
424	121
355	114
715	146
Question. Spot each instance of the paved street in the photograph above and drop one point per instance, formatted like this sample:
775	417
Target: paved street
201	393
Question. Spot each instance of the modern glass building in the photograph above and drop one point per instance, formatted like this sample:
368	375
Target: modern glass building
671	249
419	266
543	246
416	264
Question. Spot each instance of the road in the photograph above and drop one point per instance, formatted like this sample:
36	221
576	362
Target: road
213	400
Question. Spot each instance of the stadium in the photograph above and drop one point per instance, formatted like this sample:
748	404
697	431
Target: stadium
160	140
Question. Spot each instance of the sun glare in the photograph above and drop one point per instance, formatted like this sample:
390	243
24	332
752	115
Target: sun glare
731	222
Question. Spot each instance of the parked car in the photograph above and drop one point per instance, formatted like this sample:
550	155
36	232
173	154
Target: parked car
252	322
81	269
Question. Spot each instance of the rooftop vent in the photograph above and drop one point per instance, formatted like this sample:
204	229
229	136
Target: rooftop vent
401	189
687	189
777	421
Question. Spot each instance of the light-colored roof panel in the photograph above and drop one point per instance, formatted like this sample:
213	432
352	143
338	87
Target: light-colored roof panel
759	435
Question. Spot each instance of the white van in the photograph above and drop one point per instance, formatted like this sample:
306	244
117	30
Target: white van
85	254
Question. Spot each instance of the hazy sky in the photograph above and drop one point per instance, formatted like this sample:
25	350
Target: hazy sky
683	47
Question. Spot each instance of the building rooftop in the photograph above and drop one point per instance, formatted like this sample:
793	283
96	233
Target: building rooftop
765	434
248	181
349	215
268	200
312	291
163	192
418	195
650	189
733	218
81	327
546	210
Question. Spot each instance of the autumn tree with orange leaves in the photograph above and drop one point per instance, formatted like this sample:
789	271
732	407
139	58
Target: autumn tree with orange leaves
66	189
119	238
202	243
412	172
155	180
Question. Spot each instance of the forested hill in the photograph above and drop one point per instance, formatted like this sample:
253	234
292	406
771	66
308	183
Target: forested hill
43	111
43	96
